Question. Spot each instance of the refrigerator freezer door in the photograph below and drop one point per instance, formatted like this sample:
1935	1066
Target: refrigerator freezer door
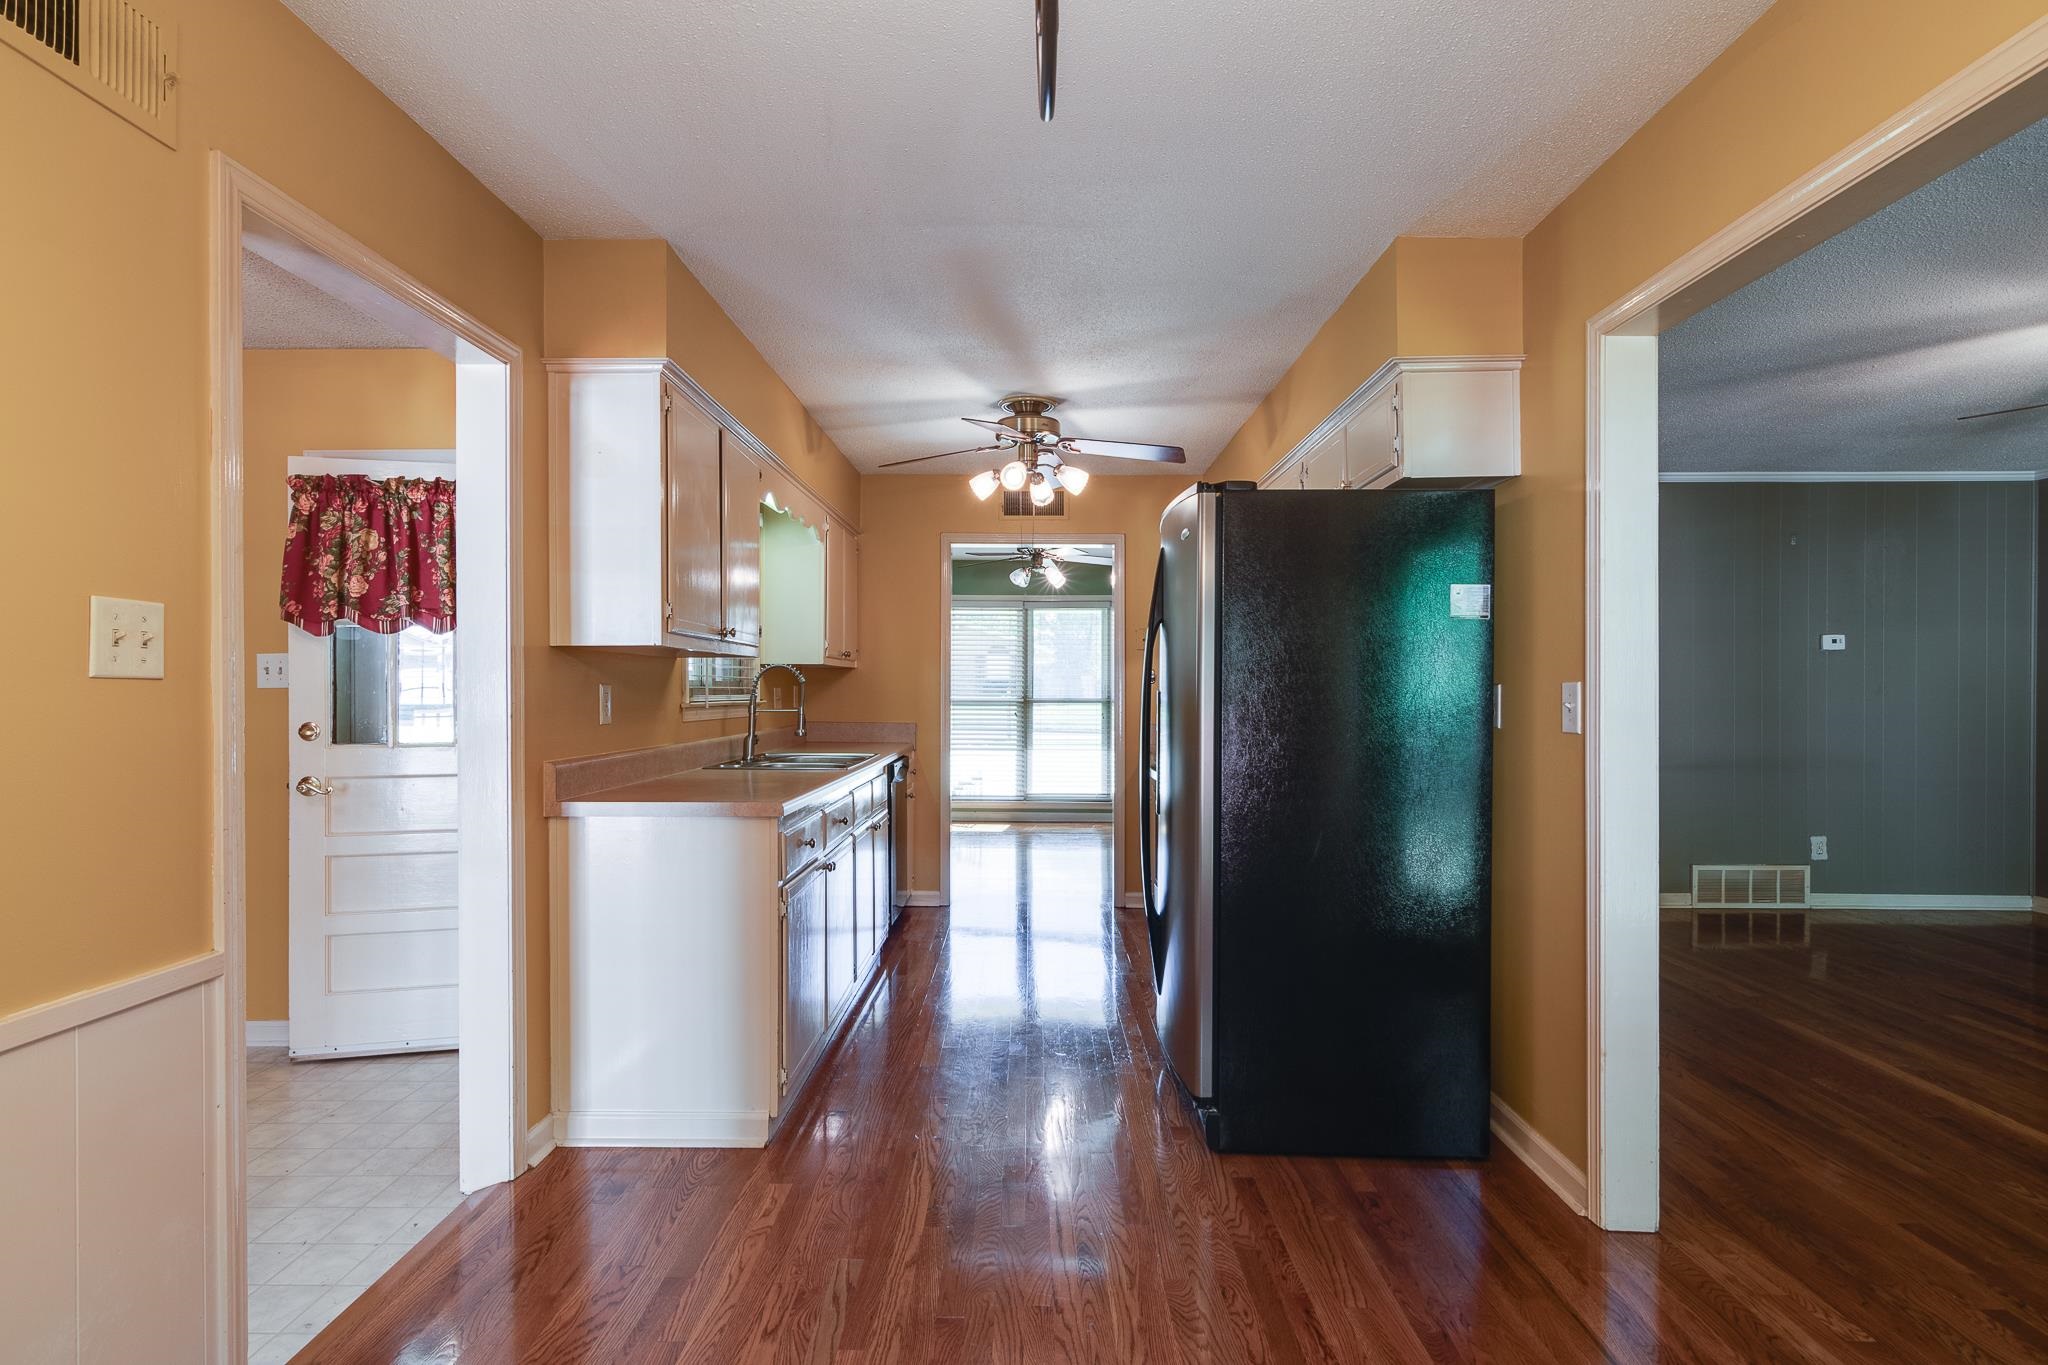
1180	882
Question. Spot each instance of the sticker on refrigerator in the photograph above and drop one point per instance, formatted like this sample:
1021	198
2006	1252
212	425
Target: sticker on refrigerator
1473	601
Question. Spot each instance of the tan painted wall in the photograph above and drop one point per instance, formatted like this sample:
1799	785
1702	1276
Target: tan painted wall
1808	79
104	385
904	517
292	402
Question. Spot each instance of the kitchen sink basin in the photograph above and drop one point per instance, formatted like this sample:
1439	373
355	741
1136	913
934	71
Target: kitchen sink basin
800	761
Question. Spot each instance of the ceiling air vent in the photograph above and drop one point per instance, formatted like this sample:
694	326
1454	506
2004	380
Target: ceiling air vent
1019	504
109	50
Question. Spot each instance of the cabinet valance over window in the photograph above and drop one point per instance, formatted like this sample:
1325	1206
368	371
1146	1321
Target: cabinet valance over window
377	553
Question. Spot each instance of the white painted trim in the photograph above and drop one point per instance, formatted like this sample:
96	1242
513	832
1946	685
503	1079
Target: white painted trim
1551	1166
248	211
1621	634
540	1139
446	457
1119	572
268	1033
665	1128
74	1011
1842	476
1132	900
1341	415
709	406
925	899
1876	900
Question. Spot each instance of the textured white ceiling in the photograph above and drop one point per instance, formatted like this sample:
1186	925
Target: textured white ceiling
280	311
866	187
1860	354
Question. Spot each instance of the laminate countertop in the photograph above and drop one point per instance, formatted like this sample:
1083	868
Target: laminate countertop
635	783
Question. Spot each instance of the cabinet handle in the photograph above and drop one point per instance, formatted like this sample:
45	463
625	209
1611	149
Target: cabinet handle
839	820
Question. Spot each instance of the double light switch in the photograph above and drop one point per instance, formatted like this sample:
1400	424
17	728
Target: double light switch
127	639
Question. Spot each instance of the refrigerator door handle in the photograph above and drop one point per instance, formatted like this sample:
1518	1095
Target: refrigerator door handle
1148	774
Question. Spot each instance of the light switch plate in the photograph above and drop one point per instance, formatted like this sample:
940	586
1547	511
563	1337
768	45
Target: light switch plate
1574	718
604	703
127	639
273	670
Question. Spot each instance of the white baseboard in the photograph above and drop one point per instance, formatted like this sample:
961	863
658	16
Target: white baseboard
1877	900
663	1128
269	1032
2041	905
1133	900
1552	1167
540	1140
925	898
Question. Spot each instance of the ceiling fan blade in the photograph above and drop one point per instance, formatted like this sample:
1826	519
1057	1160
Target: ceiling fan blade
920	459
1125	450
999	429
2003	412
1048	55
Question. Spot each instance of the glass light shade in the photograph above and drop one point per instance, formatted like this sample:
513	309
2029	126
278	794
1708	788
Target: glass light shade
984	483
1014	474
1055	575
1073	479
1041	490
1021	576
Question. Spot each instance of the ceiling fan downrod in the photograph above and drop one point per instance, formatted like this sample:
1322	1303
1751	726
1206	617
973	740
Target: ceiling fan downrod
1048	55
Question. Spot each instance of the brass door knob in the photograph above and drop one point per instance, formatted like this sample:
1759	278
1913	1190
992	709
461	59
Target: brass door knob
309	730
312	786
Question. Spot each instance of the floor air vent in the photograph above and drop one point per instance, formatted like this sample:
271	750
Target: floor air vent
1756	886
107	49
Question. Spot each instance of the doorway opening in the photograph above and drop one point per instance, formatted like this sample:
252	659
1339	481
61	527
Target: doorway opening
1979	108
1032	686
369	895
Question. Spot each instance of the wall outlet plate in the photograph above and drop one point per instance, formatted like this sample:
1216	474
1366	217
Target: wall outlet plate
1831	643
127	639
1817	848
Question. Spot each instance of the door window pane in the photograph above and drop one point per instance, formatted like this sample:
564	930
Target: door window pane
1030	700
426	687
393	689
1069	658
362	686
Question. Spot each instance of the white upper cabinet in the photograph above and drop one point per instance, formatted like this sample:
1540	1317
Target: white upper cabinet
842	595
1416	423
654	523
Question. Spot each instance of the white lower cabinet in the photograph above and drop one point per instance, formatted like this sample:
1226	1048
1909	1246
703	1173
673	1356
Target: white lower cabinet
703	964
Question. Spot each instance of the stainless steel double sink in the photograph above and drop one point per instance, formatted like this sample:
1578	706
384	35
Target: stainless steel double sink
796	760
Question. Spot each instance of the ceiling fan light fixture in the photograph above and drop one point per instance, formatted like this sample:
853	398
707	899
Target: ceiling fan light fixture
985	483
1041	490
1054	574
1021	576
1014	475
1073	478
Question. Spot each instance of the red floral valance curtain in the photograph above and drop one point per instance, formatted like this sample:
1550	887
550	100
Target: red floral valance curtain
378	553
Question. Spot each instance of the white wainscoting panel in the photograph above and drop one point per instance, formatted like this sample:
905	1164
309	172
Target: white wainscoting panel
104	1182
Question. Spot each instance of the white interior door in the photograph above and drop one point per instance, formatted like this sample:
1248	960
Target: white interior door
373	840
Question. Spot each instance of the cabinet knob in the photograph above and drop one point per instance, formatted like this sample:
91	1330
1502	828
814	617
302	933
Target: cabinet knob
831	867
810	843
840	820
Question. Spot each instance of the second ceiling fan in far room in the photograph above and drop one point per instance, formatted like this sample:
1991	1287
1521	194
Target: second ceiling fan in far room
1040	453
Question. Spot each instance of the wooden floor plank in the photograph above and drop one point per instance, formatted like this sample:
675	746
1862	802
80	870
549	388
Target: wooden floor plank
995	1166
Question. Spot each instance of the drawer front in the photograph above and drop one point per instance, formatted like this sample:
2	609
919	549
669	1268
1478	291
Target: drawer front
839	819
803	839
863	802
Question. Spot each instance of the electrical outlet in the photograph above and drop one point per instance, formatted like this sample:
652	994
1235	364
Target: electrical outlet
127	639
1500	715
604	703
1574	718
273	670
1817	848
1832	643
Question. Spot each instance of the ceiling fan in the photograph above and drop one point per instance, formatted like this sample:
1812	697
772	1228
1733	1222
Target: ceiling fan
1048	561
1041	452
2004	412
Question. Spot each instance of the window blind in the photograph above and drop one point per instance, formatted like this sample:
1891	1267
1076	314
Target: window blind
1030	700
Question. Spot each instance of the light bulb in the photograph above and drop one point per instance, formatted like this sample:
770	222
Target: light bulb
984	484
1021	576
1041	491
1073	479
1013	475
1055	575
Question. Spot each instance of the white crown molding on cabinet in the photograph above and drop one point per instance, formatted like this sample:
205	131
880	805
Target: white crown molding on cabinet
1341	415
1621	481
706	404
1841	476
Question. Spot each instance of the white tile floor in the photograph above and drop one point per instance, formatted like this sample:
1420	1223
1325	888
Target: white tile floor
350	1163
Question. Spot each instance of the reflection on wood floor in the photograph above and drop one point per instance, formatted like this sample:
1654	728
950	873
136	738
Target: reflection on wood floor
997	1167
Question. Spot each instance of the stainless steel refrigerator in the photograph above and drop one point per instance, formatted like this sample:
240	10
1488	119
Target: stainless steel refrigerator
1317	755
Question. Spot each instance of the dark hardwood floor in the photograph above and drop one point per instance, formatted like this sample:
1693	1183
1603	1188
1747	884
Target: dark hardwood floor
997	1168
